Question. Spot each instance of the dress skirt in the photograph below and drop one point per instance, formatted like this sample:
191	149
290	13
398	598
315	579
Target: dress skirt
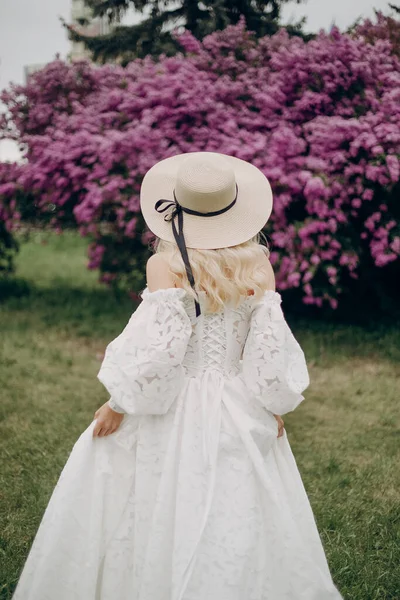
202	503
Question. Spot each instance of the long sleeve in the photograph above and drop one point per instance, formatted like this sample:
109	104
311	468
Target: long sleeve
274	367
142	368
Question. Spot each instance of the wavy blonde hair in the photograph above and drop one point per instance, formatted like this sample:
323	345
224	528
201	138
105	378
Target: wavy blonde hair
226	275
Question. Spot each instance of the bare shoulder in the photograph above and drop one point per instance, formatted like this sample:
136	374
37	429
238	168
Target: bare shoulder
270	274
158	273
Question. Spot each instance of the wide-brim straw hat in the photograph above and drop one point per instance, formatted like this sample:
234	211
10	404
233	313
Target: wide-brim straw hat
206	182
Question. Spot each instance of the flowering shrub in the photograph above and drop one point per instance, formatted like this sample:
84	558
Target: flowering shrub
385	28
321	119
9	216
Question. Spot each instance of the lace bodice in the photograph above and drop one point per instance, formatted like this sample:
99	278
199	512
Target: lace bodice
217	340
145	367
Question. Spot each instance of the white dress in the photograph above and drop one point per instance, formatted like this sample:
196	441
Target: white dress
194	497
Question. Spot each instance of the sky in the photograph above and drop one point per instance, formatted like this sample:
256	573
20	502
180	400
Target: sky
31	32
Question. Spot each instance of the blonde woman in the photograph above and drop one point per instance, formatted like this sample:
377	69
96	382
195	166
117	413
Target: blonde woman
184	486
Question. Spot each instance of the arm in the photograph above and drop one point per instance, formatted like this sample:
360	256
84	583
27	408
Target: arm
158	276
274	367
142	368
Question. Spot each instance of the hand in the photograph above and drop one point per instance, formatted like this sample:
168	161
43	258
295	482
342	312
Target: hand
280	425
108	420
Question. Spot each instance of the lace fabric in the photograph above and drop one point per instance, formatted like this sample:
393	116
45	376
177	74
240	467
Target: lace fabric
274	368
217	339
142	368
164	342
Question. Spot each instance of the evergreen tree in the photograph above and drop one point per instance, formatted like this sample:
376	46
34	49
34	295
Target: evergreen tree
153	34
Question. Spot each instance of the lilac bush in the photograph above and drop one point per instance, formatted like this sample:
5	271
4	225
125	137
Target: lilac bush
384	27
321	119
9	216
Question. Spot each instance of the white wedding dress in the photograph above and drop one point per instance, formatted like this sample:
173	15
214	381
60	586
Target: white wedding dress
194	497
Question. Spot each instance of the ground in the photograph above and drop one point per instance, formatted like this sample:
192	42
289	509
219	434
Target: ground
55	321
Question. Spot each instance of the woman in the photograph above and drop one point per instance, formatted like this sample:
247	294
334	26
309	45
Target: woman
184	486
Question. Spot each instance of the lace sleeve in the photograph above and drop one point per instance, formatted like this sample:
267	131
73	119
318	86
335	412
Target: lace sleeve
274	366
142	368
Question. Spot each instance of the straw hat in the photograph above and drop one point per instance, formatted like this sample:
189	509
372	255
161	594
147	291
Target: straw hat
206	182
205	200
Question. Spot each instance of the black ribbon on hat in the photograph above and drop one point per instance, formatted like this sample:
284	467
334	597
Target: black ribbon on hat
176	210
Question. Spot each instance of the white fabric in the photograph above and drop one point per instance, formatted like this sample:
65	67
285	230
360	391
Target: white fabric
194	497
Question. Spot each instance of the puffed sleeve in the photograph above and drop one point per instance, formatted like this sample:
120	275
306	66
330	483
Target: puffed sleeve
142	368
274	367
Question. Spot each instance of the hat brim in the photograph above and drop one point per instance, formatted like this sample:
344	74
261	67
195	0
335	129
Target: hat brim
240	223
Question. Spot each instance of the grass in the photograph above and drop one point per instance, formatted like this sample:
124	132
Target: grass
55	321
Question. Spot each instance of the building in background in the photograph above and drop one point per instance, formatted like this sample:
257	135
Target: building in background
29	69
83	22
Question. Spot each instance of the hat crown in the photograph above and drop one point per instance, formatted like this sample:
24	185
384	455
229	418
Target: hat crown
205	183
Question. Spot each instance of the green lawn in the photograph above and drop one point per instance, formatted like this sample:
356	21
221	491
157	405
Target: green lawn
55	321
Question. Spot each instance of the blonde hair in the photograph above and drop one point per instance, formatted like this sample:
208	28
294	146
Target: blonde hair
225	274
